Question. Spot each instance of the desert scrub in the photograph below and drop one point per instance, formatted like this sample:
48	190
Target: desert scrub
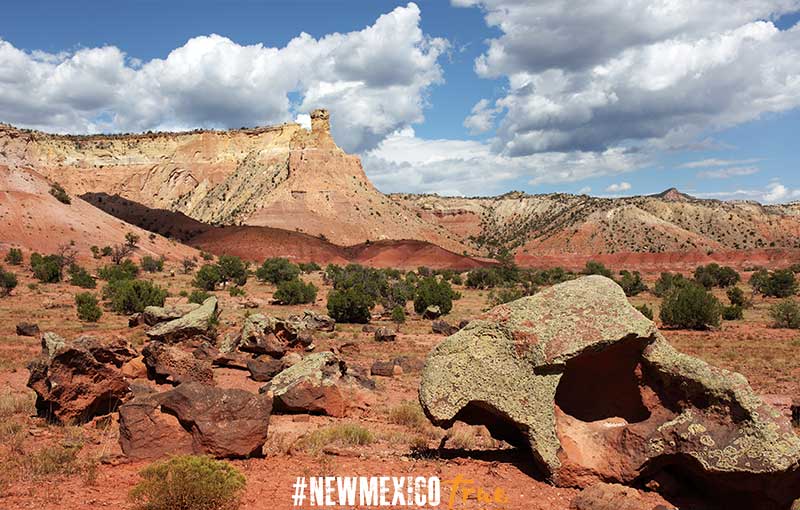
87	307
188	482
346	434
690	306
408	414
785	314
199	296
295	292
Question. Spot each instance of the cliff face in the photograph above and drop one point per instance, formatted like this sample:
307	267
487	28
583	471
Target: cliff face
283	176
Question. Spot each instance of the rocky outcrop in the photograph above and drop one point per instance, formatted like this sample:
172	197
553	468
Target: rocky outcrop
432	312
27	329
384	334
442	327
310	321
273	336
198	322
580	377
172	364
153	315
319	384
76	381
195	418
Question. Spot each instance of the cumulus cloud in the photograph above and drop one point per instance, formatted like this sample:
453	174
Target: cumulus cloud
726	173
618	187
404	162
374	81
659	74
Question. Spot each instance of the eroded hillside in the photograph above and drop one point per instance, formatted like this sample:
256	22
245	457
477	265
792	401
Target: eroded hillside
282	176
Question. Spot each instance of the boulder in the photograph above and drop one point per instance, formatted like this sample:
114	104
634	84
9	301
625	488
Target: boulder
584	381
442	327
195	418
315	385
409	364
272	336
51	343
432	312
27	329
198	322
264	368
135	320
75	382
116	351
386	368
153	315
384	334
310	321
171	364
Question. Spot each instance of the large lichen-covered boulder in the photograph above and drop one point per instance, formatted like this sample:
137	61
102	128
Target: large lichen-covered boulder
198	322
171	364
588	384
318	384
195	418
274	336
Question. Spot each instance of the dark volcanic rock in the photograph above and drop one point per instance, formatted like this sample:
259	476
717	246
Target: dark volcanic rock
195	418
27	329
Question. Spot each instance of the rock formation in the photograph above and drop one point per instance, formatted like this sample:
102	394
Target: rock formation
588	384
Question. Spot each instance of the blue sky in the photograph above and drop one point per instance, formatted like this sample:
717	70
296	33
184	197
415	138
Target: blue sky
468	97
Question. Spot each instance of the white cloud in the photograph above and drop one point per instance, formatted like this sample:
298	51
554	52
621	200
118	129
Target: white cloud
374	81
618	187
304	120
726	173
661	74
775	192
406	163
713	162
585	190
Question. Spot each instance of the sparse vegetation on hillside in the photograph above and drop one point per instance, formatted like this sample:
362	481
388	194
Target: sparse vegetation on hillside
631	283
714	275
132	296
667	282
14	257
227	269
60	193
152	264
189	482
80	277
785	314
594	267
198	296
434	292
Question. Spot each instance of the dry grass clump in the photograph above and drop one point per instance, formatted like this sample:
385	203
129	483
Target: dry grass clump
345	434
408	414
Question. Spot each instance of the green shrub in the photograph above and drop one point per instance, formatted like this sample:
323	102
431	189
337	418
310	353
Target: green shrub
398	315
131	240
232	269
736	297
236	291
645	310
14	257
198	296
482	278
732	313
152	264
206	256
188	482
398	293
667	282
125	270
351	305
95	251
207	277
132	296
88	310
60	193
594	267
276	270
690	307
188	265
309	267
785	314
80	277
504	295
46	269
432	292
714	275
780	283
106	251
295	292
631	283
8	281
